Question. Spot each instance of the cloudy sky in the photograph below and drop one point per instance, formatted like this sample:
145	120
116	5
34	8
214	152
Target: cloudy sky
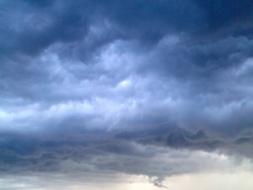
126	95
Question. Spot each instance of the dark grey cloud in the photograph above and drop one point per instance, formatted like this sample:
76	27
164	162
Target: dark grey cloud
109	85
98	150
40	24
27	29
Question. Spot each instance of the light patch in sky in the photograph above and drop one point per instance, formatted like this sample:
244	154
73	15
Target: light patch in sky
240	180
124	84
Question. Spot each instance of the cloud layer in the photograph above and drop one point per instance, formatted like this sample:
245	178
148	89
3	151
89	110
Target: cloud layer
113	86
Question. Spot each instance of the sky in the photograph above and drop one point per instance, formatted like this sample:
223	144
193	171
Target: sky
126	95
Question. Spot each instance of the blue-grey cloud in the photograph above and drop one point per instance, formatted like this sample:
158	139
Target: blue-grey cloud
113	83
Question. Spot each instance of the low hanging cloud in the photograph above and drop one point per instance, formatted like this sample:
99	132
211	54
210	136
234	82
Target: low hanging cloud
131	87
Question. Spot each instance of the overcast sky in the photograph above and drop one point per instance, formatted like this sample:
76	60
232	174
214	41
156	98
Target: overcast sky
126	95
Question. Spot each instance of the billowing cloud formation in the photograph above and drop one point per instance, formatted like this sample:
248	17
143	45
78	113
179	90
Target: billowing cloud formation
115	85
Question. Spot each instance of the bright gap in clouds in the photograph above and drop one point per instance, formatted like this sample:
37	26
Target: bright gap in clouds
205	181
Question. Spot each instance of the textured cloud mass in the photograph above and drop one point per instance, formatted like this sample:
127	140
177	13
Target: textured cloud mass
135	87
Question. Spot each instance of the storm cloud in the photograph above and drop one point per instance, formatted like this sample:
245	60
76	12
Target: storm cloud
112	86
